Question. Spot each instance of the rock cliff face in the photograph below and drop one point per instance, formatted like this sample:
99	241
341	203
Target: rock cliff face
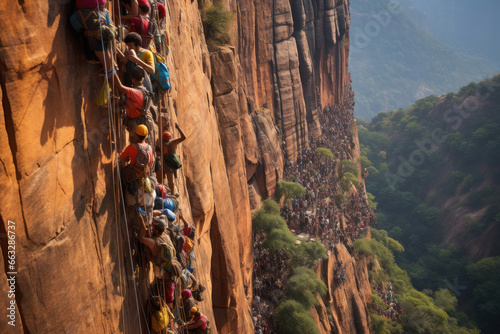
239	106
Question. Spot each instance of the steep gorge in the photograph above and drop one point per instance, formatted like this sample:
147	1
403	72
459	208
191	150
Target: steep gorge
239	106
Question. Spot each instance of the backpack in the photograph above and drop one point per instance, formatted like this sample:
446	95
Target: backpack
146	39
166	255
96	25
141	163
147	102
161	77
142	158
173	161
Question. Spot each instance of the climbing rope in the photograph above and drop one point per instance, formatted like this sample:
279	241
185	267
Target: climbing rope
114	118
113	132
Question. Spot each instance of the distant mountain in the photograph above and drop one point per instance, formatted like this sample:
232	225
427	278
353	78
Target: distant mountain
470	25
394	61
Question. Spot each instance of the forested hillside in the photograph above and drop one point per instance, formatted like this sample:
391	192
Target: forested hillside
434	172
394	61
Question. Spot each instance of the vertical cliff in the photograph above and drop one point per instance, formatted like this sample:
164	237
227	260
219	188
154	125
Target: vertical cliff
239	106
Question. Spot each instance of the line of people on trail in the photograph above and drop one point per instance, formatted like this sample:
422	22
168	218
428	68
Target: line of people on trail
160	233
339	274
392	310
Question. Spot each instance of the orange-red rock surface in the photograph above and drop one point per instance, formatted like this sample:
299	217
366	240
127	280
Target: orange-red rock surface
238	106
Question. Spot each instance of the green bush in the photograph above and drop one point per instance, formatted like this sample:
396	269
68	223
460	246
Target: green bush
303	287
325	152
271	206
371	201
281	239
289	189
268	222
217	22
382	325
380	303
352	179
312	251
294	318
347	166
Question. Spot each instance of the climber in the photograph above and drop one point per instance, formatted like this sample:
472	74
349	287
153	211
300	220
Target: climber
170	157
188	230
163	253
90	16
132	8
161	317
189	281
139	154
187	303
198	323
136	56
138	105
141	25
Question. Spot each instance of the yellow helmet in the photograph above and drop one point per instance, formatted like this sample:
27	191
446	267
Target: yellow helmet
193	310
141	130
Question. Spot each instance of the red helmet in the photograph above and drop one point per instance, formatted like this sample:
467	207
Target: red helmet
166	136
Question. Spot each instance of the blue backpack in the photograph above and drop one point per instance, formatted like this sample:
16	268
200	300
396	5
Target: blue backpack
161	76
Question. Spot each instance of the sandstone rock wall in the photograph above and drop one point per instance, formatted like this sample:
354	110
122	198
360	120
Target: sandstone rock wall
238	106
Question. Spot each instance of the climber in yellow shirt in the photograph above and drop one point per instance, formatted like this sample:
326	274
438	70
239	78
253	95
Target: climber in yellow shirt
135	56
162	316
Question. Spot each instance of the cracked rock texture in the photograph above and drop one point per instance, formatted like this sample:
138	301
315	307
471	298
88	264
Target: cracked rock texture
239	106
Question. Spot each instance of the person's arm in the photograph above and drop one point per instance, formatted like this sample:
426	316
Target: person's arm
150	242
197	324
131	56
186	224
125	156
133	12
177	141
121	88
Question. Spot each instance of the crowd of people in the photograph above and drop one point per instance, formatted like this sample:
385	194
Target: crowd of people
317	214
270	271
392	309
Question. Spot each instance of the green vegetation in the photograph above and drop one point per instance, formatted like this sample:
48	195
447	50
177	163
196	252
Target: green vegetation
425	163
346	166
302	287
393	61
325	152
382	325
422	313
290	190
216	22
485	275
295	318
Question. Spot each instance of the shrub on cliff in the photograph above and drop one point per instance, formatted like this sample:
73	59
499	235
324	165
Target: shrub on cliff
346	166
325	152
294	318
347	180
289	189
382	325
268	222
303	287
217	22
